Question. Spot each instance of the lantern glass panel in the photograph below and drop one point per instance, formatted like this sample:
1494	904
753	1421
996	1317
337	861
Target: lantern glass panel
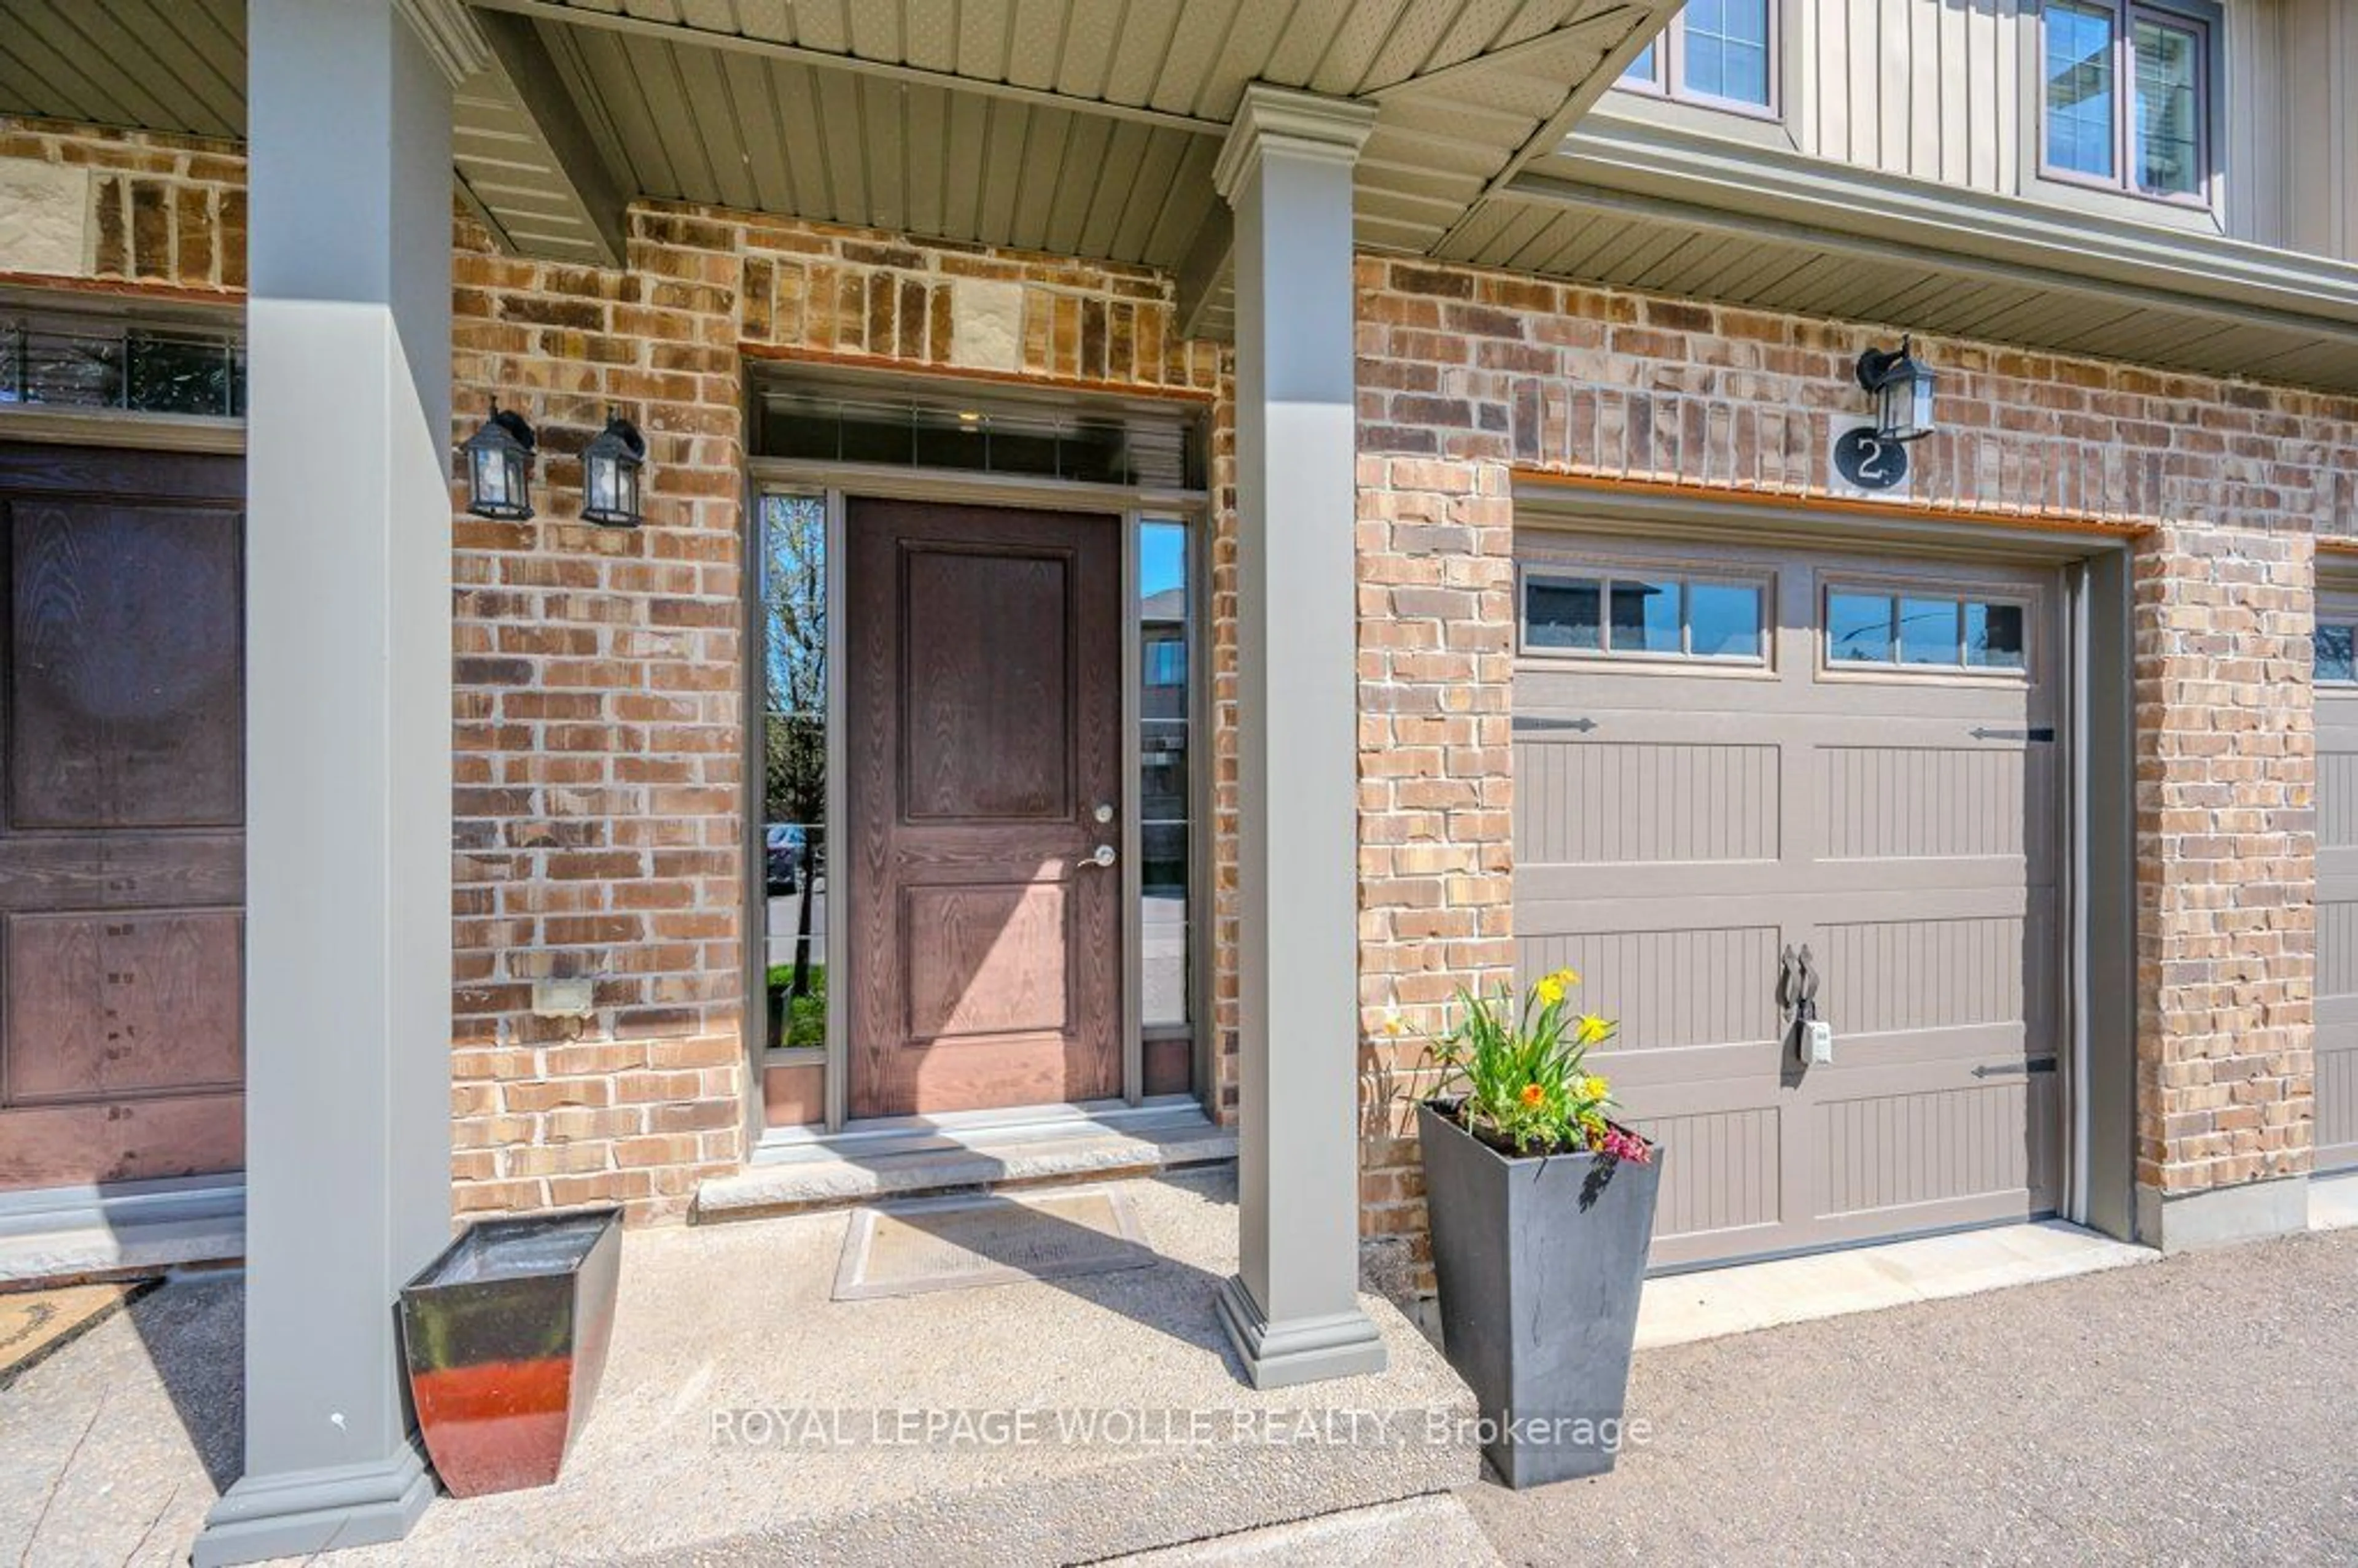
491	477
604	480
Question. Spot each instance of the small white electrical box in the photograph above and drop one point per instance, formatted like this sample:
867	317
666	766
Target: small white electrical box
1817	1040
564	998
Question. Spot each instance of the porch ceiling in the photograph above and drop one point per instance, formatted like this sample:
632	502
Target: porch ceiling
1074	127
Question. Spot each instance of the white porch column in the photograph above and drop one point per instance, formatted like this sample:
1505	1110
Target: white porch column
1293	1310
348	757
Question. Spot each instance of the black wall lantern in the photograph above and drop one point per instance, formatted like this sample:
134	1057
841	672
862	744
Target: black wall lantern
499	466
1903	392
610	474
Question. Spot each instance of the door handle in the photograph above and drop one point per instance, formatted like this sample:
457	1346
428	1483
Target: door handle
1103	855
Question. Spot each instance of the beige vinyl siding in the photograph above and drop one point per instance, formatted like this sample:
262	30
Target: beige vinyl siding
2316	137
1948	90
1922	88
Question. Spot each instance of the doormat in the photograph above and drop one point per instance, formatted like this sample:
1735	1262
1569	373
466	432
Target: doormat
960	1243
36	1324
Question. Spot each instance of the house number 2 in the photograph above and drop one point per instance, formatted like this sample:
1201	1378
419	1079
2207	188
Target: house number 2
1869	461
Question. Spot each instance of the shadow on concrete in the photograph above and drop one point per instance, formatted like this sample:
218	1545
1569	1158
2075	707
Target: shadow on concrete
193	1327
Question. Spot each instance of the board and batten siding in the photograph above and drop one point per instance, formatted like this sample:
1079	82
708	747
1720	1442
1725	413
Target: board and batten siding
2308	50
1948	90
1931	88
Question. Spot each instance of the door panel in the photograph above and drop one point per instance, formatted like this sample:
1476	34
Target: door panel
983	731
121	852
1678	826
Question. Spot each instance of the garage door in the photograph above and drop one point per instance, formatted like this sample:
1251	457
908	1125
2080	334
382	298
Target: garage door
1723	754
2337	884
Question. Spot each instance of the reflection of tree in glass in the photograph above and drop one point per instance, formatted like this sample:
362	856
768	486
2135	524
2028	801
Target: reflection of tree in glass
794	595
794	588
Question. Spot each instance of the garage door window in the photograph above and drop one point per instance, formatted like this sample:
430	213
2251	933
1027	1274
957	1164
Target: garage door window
2337	653
1653	616
1933	632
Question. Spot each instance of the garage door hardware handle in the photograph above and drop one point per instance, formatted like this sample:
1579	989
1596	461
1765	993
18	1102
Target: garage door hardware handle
1583	725
1797	985
2015	1069
2042	732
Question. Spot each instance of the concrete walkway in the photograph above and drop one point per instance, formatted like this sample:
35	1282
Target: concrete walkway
2200	1409
2195	1410
747	1418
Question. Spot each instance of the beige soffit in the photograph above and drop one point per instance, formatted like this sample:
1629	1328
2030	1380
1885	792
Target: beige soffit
1646	206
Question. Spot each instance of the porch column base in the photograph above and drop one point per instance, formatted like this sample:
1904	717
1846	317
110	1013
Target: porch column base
1298	1351
299	1513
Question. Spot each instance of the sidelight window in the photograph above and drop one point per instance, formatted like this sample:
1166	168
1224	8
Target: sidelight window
1165	724
793	586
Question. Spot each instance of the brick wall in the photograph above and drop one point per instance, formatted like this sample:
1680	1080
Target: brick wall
598	815
84	205
1465	377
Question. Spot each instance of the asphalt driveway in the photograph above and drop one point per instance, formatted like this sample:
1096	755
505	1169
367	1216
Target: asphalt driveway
2202	1410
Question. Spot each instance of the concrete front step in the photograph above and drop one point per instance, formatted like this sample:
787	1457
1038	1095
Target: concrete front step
808	1173
130	1229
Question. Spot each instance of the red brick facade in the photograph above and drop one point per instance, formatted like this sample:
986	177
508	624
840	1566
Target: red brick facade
598	815
1466	378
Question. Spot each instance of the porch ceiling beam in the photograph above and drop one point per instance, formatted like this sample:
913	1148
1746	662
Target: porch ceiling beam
1460	71
1644	19
1204	271
737	43
536	86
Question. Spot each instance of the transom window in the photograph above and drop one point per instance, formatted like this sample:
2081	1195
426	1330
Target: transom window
1713	51
1933	631
1660	616
2152	138
2337	652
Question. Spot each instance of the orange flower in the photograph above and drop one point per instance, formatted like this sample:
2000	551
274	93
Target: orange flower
1533	1094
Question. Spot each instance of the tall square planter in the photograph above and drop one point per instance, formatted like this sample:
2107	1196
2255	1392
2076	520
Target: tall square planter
505	1335
1539	1261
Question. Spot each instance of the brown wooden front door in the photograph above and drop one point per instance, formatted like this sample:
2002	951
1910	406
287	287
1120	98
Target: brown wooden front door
121	819
984	737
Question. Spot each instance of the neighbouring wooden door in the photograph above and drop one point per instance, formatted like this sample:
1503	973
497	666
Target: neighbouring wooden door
984	737
122	815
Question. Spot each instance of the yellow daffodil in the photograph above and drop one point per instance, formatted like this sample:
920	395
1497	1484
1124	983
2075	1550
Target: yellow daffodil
1592	1087
1550	990
1591	1029
1392	1026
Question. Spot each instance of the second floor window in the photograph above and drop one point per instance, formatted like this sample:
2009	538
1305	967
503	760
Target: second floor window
2127	95
1714	51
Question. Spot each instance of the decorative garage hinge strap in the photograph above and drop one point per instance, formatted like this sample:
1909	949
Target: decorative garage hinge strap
2041	732
1527	722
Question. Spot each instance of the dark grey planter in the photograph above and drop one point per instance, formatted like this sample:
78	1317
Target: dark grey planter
1539	1261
